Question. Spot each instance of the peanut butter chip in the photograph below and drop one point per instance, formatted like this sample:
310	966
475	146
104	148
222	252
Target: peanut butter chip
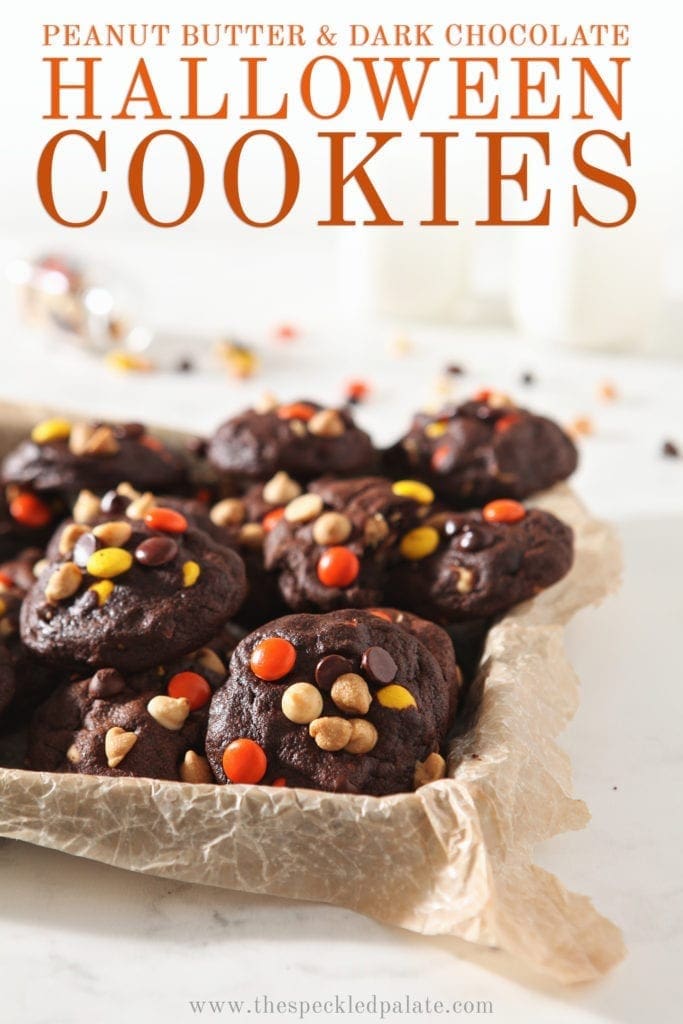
376	530
113	535
69	536
87	507
281	489
195	768
363	737
64	582
302	703
351	694
117	744
251	536
101	442
304	508
326	423
331	733
465	580
331	528
208	659
169	712
79	437
429	770
229	512
141	505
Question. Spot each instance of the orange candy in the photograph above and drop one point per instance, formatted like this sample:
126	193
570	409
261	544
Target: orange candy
441	457
504	510
482	396
192	686
29	510
6	580
379	613
505	422
357	390
279	782
272	518
272	658
244	761
338	567
152	443
296	411
166	519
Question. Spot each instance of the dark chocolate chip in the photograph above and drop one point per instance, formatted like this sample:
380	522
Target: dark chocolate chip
527	378
471	540
106	682
670	450
156	551
86	545
197	446
330	668
379	666
454	369
114	502
184	366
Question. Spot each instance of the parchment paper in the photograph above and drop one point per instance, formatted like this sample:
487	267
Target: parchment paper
454	858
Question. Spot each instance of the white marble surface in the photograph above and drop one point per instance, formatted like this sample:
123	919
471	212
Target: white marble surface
83	942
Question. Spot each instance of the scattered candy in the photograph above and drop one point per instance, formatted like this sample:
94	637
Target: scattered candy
191	573
272	658
51	430
156	551
503	510
286	332
103	590
302	703
244	761
356	391
169	712
330	668
435	429
28	510
296	411
670	450
193	687
607	391
454	369
395	697
581	426
419	492
379	665
121	361
419	543
338	567
109	562
166	519
240	360
117	744
527	378
272	518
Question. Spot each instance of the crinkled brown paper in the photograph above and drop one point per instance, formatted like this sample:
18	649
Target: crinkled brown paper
454	858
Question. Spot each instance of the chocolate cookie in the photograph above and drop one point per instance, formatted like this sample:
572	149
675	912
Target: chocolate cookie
473	565
126	593
332	545
63	458
345	702
484	449
148	725
303	439
7	684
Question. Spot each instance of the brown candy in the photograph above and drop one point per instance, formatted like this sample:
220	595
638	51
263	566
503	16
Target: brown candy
379	666
330	668
156	551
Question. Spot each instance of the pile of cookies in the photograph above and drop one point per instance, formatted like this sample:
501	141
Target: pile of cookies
283	604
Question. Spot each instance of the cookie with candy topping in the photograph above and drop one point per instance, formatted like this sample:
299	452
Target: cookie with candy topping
484	449
145	725
63	457
346	702
303	439
332	545
128	592
473	565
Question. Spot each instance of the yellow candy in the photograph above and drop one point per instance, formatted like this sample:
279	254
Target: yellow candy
415	490
419	543
127	362
396	697
436	429
51	430
103	589
191	573
3	607
108	562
